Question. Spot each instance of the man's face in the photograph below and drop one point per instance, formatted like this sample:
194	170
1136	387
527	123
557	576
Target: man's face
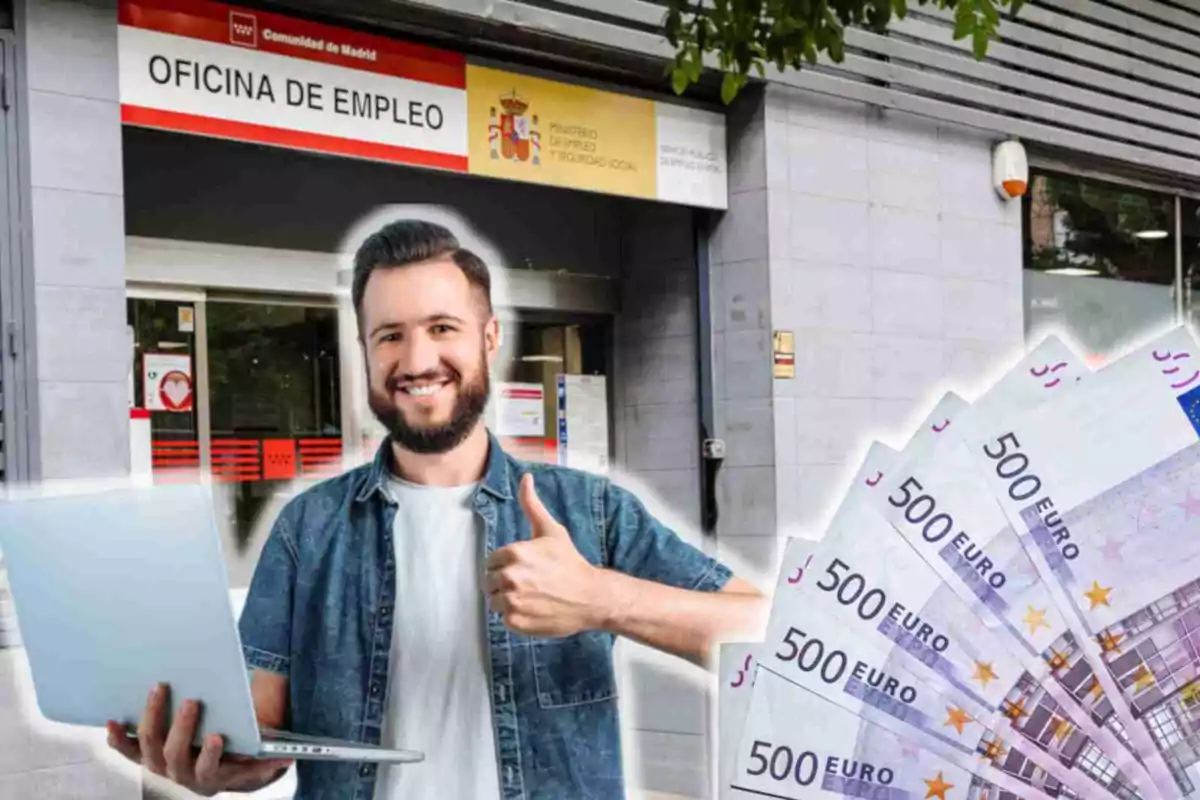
429	342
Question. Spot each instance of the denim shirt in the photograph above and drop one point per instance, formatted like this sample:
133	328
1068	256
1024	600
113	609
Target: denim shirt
322	598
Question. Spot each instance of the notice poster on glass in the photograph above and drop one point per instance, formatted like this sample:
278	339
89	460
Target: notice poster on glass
583	422
167	378
520	410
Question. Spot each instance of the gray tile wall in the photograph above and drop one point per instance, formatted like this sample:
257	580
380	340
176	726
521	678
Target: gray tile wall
656	356
899	272
657	446
76	216
68	52
742	285
876	238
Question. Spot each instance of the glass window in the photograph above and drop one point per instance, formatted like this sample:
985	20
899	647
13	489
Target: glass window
1190	235
1099	261
271	406
275	395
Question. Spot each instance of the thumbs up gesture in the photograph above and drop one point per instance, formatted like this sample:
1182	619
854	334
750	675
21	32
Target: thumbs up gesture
543	586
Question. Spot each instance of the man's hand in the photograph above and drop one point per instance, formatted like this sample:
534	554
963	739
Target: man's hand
543	587
169	752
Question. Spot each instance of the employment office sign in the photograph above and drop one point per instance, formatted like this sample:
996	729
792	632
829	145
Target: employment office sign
217	70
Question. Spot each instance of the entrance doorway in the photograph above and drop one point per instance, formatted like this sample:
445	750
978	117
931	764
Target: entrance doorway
243	391
537	349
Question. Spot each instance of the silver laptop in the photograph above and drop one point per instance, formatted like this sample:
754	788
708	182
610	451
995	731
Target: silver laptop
118	590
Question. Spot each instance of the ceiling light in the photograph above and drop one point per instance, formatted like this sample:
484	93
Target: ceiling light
543	359
1073	272
1153	234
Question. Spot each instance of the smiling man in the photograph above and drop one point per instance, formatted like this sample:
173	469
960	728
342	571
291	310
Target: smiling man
449	598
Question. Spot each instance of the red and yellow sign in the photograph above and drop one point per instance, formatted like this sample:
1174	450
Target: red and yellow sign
531	129
212	69
208	68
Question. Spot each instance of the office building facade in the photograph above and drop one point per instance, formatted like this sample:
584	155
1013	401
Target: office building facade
794	275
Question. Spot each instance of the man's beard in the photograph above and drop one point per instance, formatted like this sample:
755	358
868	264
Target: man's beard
469	405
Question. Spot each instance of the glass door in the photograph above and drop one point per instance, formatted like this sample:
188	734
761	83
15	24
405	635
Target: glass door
274	391
551	397
245	392
163	381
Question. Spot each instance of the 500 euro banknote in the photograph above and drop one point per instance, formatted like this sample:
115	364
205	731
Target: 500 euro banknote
938	501
795	745
1102	491
863	581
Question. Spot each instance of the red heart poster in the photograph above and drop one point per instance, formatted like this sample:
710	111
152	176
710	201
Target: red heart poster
168	382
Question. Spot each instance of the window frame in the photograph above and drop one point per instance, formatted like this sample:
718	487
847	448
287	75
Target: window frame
1176	194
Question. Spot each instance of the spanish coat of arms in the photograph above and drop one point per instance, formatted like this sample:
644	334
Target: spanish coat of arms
514	137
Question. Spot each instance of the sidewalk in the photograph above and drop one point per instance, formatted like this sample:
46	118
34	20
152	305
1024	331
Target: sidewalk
39	762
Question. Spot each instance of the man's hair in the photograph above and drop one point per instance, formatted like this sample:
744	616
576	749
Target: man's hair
412	241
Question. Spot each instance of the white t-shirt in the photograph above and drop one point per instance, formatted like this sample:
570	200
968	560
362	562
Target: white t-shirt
439	689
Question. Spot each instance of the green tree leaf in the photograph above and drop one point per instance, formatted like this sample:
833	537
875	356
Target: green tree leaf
680	80
837	50
695	66
964	20
746	36
731	84
979	44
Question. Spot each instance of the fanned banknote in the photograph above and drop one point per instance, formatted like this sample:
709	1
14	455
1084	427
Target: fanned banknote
1102	490
797	746
819	653
869	584
735	675
907	639
938	502
871	473
865	580
874	585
